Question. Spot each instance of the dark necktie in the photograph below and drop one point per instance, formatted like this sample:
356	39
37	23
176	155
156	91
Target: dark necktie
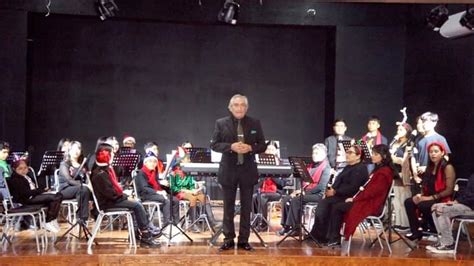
240	138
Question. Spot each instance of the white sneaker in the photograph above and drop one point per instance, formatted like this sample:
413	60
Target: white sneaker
56	224
50	227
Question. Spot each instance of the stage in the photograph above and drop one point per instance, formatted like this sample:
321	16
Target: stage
113	250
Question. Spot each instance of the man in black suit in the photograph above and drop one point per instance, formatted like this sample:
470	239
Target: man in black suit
238	137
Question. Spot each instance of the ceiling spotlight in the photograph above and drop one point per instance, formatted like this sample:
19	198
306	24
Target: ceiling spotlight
107	8
467	20
437	17
229	12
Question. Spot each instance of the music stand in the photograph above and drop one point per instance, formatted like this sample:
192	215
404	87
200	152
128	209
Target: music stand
127	159
170	222
79	222
199	155
367	152
263	159
267	159
300	171
51	161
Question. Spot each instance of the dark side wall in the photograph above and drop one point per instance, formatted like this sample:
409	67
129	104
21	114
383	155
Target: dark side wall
439	77
13	54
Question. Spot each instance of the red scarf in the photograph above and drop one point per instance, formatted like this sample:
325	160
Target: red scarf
378	138
113	179
316	175
439	185
268	185
151	174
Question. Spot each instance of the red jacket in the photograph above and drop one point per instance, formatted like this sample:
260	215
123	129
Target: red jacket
370	201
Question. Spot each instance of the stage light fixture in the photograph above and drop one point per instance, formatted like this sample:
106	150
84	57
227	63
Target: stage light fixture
229	12
467	20
437	17
107	9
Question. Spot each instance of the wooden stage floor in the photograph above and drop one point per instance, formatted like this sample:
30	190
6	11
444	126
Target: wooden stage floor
113	250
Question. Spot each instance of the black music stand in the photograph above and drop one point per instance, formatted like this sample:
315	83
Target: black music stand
79	222
127	159
171	222
199	155
51	161
367	153
263	159
301	172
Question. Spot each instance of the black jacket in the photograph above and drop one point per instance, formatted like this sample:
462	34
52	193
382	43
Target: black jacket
331	145
350	179
104	190
225	133
20	189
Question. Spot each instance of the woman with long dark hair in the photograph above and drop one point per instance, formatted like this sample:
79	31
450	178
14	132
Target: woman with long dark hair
437	186
70	177
371	199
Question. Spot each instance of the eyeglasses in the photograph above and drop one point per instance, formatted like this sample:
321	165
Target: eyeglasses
351	152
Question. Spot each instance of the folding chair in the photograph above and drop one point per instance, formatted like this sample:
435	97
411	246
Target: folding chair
110	213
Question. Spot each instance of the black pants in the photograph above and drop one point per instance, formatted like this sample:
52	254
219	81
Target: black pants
82	195
165	206
259	202
336	218
322	217
291	208
229	210
138	212
424	208
52	201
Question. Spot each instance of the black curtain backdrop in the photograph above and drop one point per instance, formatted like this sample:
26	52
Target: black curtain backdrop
170	82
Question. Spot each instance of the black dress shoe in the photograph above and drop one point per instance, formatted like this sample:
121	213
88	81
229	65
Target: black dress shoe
245	246
284	230
227	245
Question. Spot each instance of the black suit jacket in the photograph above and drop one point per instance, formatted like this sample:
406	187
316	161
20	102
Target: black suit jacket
349	180
225	133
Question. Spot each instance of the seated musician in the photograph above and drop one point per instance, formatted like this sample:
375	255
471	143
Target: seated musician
368	201
150	189
184	188
5	170
345	186
23	189
64	145
320	172
152	147
445	211
437	186
110	195
271	189
69	186
4	152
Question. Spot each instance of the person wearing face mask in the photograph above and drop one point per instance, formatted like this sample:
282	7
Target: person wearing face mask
345	186
24	191
437	186
319	171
